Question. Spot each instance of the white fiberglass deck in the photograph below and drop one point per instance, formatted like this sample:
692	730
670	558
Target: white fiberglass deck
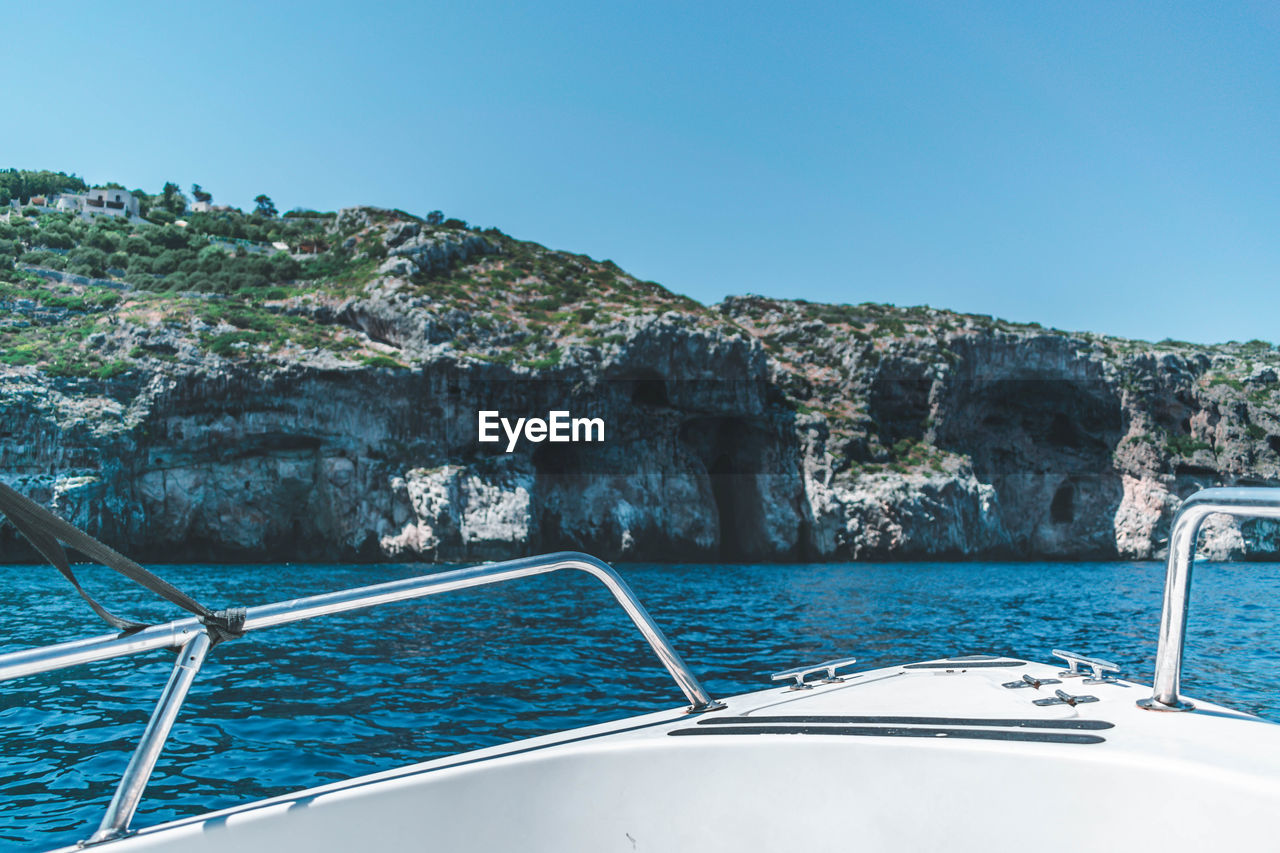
931	756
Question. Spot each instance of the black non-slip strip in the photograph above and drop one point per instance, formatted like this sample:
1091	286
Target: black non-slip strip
1087	725
970	664
895	731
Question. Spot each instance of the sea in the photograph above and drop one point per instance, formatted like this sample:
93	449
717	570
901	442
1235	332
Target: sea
304	704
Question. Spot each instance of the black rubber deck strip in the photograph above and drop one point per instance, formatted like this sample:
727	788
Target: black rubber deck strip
970	664
895	731
1087	725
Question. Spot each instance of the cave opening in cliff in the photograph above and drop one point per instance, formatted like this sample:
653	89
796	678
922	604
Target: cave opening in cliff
734	453
727	489
649	389
1046	446
1063	432
1062	510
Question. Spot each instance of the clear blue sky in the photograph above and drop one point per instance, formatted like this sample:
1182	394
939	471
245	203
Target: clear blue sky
1102	166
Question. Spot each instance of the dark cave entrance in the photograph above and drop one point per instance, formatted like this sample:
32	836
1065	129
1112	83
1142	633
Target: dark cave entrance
648	388
736	498
734	453
1062	510
1046	445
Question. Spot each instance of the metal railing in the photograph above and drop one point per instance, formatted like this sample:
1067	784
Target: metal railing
1245	502
192	641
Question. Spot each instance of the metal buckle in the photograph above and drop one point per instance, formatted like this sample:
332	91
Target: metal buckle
1095	664
801	672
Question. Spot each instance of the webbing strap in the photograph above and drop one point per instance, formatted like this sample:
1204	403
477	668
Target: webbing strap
45	531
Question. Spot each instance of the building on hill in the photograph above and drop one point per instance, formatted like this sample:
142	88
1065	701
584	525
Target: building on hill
111	203
209	207
99	202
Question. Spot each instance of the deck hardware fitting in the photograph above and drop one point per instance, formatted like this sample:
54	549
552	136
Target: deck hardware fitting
1062	697
800	673
1098	667
1028	681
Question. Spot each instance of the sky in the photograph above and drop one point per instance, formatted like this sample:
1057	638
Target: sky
1109	167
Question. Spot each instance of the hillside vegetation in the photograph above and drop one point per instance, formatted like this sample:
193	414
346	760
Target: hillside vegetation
239	384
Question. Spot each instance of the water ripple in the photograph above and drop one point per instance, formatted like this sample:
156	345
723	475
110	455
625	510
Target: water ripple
305	704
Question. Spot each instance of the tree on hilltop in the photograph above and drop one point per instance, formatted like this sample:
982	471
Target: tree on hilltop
172	199
266	207
198	193
22	183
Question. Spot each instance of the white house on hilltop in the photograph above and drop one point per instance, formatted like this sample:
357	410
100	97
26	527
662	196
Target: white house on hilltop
111	203
119	203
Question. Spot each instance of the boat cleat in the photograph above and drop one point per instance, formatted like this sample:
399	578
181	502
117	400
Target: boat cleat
1097	666
800	673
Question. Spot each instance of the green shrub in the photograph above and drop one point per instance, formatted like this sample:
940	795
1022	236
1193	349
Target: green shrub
1185	445
18	356
109	369
54	237
382	361
88	261
550	360
893	326
101	238
137	245
1229	381
226	343
44	259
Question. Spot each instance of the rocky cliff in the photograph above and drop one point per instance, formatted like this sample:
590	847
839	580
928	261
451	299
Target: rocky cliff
335	418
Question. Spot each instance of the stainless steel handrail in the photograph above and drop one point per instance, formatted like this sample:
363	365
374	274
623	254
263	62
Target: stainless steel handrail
190	638
1239	501
124	803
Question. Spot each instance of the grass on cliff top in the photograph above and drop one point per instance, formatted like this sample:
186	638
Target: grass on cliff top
525	304
47	324
59	350
865	321
520	303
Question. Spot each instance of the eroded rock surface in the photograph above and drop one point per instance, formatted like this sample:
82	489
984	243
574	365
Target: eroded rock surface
755	430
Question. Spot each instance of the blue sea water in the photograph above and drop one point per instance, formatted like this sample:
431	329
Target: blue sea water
314	702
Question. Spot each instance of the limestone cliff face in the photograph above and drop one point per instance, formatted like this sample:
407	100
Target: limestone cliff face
757	430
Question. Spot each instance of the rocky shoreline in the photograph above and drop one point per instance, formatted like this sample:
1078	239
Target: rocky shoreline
753	430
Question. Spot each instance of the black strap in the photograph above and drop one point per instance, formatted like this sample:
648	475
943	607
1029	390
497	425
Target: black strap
45	530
